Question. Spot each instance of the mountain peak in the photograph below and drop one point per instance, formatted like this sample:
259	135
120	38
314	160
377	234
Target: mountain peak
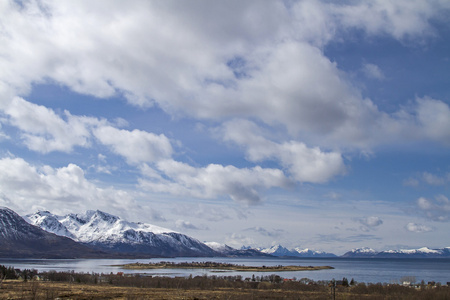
21	239
109	232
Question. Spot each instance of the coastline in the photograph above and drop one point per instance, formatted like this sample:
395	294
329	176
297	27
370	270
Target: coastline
220	266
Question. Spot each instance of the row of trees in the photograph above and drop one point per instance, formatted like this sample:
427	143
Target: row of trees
267	282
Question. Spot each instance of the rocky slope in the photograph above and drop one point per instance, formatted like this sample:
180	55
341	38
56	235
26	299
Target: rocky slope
18	239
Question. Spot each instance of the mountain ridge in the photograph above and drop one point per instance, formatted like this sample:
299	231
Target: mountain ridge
280	251
19	239
96	234
110	233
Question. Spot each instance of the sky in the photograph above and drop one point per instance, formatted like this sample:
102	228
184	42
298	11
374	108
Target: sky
311	124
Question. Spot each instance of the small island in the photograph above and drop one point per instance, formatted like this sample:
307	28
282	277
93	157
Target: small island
219	266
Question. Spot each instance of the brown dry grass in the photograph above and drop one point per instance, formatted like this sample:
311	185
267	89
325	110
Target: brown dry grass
14	289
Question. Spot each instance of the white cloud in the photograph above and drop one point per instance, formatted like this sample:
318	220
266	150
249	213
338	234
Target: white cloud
434	118
434	179
437	209
429	179
105	50
373	71
237	240
403	19
303	163
182	224
371	221
213	181
136	146
30	188
44	131
414	227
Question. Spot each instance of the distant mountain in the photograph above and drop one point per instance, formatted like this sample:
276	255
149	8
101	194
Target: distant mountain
423	252
361	252
109	233
18	239
281	251
312	253
226	250
276	250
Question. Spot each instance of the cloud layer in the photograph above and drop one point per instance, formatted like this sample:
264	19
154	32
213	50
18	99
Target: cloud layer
257	77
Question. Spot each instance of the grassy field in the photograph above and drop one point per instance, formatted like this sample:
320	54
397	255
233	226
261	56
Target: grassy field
16	289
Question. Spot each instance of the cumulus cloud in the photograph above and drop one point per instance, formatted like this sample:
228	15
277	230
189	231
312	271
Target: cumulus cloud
87	46
136	146
233	59
437	209
43	130
414	227
212	181
30	188
303	163
369	223
402	19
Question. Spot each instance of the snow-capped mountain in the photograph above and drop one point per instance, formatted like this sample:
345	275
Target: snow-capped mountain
279	250
423	252
107	232
361	252
20	239
276	250
312	253
226	250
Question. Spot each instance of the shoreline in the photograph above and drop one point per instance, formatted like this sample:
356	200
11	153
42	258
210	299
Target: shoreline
219	266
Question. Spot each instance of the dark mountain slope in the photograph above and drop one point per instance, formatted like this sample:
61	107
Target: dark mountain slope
18	239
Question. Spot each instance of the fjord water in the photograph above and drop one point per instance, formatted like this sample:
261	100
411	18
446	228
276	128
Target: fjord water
369	270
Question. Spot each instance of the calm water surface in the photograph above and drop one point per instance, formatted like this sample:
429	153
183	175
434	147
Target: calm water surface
361	270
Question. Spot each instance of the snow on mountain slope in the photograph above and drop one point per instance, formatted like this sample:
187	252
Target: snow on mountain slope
423	252
49	223
108	232
226	250
219	247
312	253
414	251
20	239
279	250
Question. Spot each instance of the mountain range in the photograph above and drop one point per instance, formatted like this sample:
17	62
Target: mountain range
105	232
423	252
281	251
96	234
18	239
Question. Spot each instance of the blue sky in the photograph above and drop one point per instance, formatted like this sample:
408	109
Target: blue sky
303	123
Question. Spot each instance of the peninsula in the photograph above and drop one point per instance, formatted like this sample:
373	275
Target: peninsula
220	266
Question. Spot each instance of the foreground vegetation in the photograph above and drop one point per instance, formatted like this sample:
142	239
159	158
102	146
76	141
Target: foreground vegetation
29	284
220	266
